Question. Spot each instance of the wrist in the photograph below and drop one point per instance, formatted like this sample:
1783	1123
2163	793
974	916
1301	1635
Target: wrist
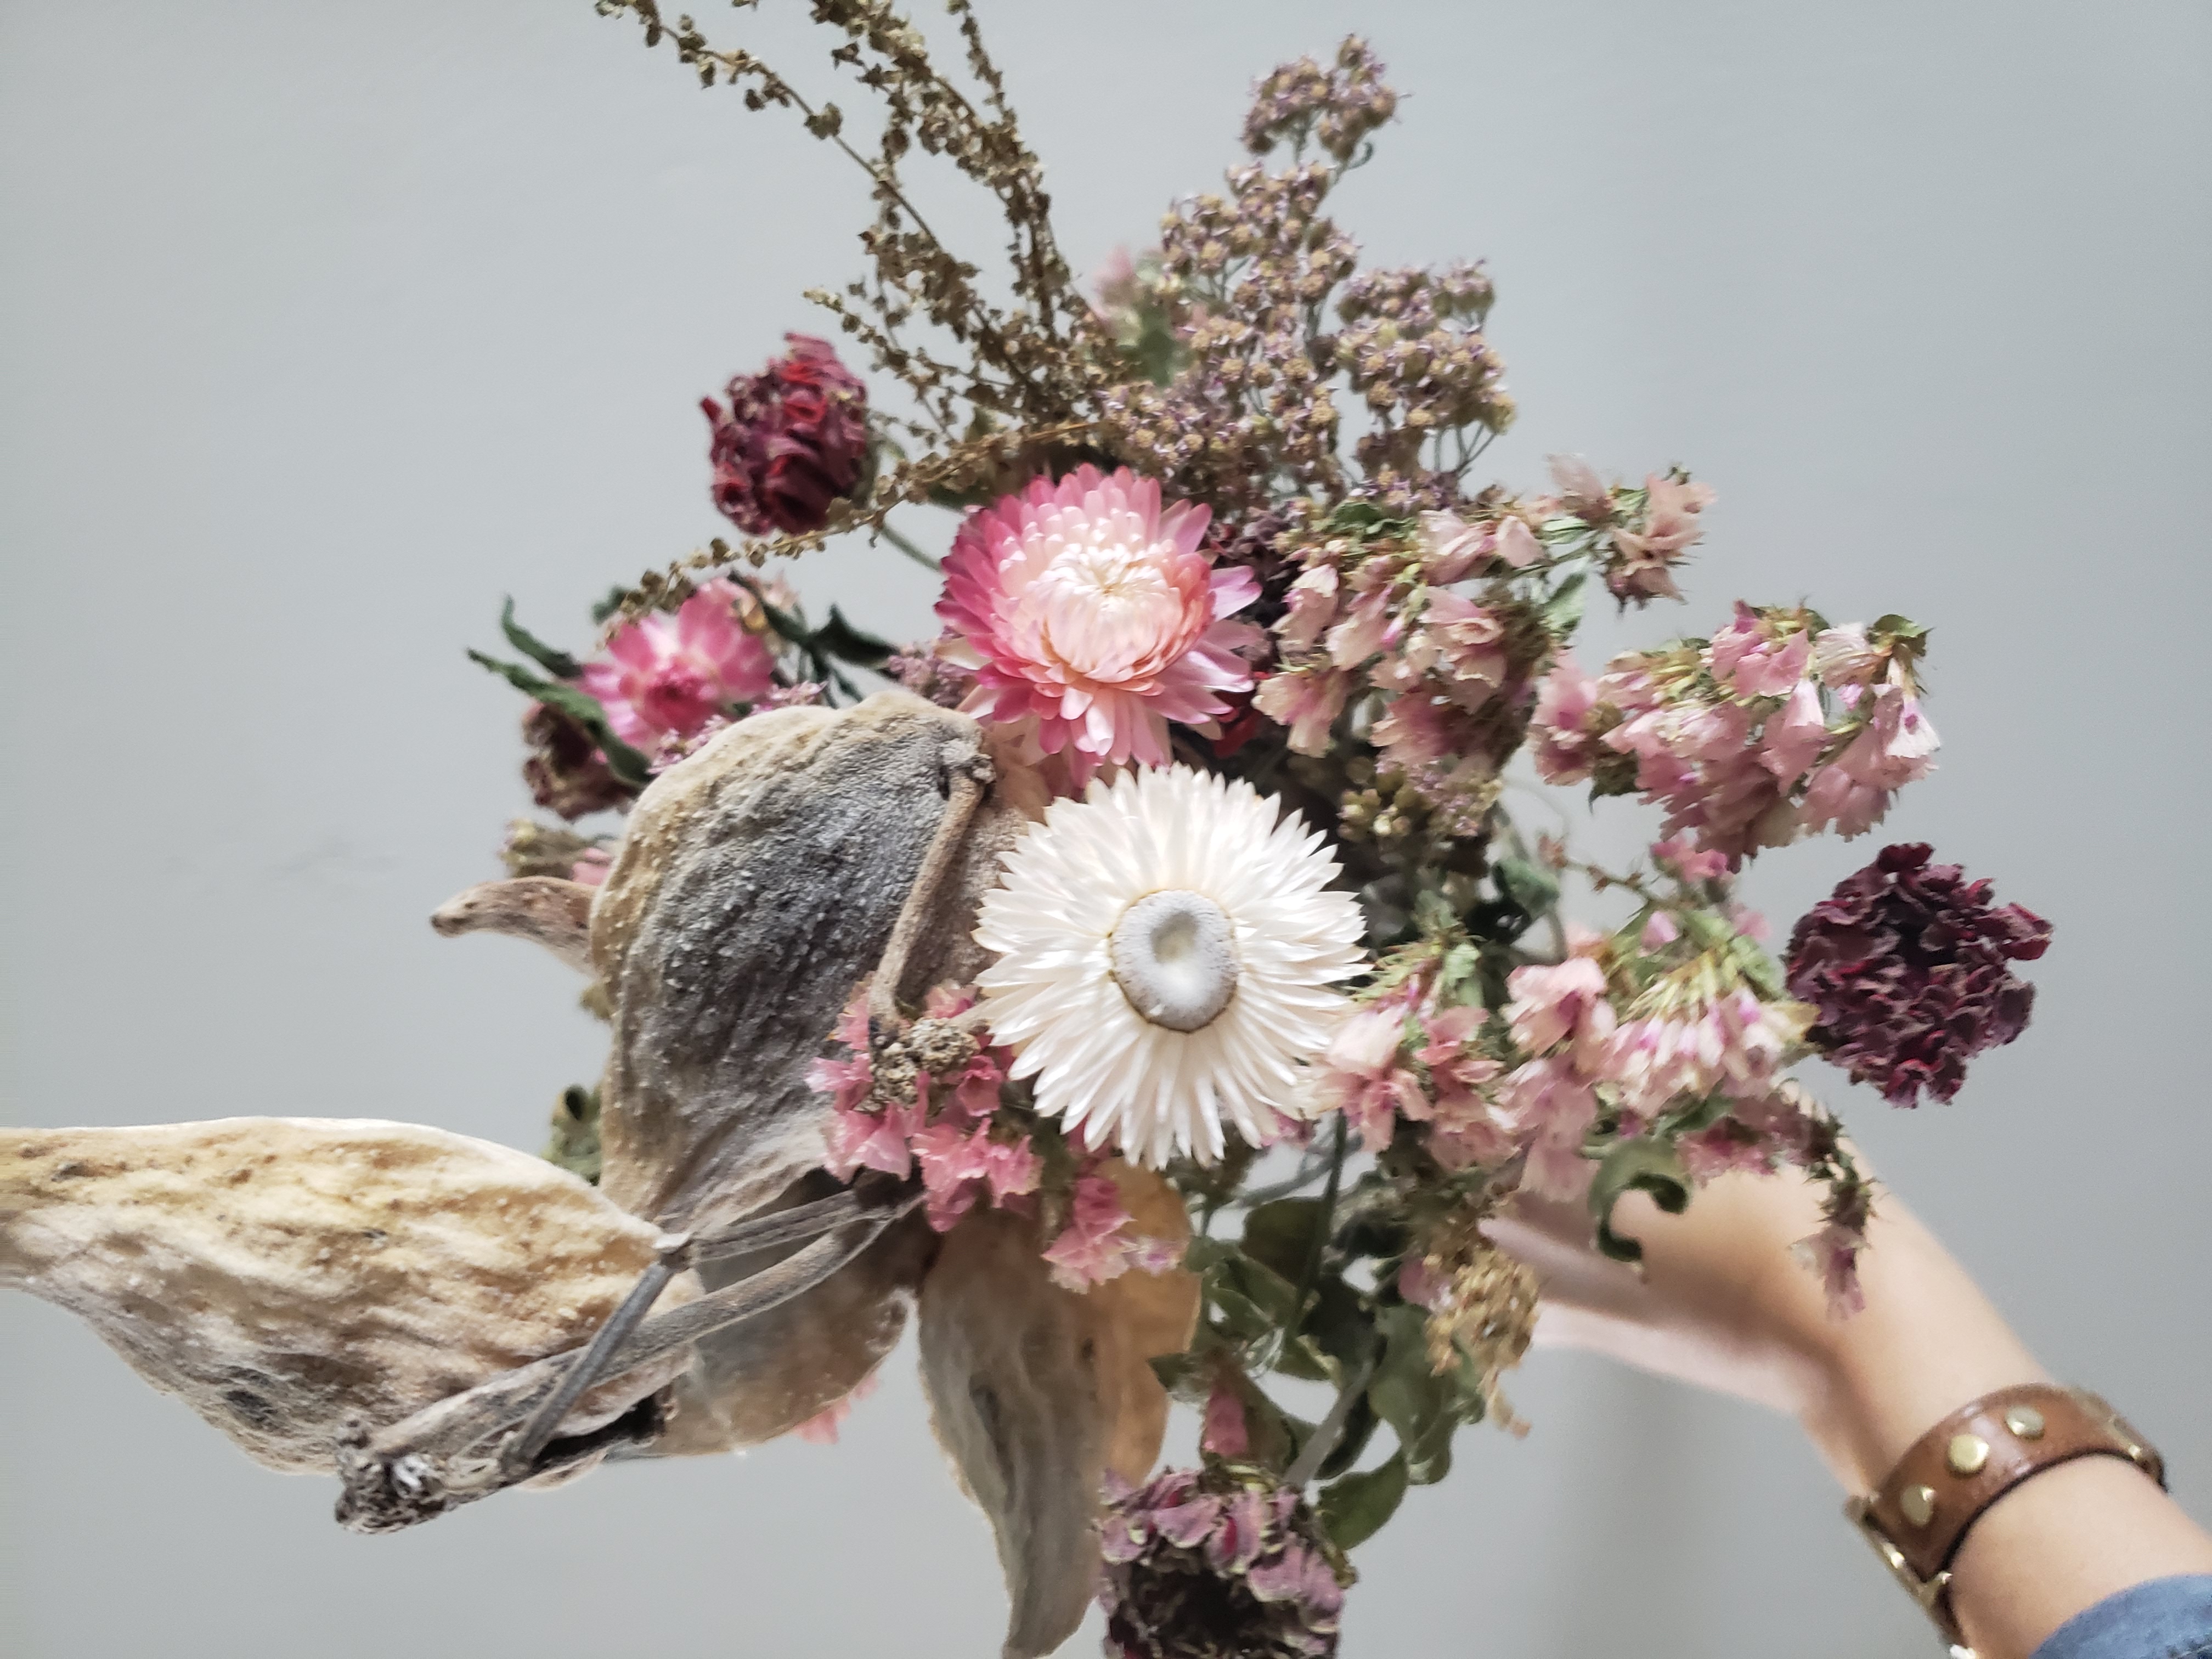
1926	1341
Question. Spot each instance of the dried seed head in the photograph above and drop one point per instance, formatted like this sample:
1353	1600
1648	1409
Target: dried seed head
287	1276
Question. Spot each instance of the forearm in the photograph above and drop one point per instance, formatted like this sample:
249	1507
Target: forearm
1926	1342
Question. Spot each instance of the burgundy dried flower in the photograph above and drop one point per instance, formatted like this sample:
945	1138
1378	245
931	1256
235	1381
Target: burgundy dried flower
1906	963
793	440
566	772
1216	1564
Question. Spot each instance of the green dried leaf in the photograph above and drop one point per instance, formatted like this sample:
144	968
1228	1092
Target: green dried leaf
839	638
1640	1165
1279	1236
625	761
1563	612
555	661
1421	1408
1353	1507
1528	884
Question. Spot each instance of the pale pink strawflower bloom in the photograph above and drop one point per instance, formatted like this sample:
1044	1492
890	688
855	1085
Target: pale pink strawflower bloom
665	676
1086	607
1660	930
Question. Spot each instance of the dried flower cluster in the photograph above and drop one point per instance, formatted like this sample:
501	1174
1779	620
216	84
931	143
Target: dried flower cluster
1183	840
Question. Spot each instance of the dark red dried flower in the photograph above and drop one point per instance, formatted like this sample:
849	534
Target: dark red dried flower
1906	963
793	440
566	772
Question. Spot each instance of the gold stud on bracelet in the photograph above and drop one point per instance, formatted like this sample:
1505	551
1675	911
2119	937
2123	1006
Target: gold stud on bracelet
2025	1421
1918	1504
1966	1454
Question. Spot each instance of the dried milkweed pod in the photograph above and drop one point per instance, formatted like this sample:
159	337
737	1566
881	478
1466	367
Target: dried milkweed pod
289	1278
1036	1392
757	882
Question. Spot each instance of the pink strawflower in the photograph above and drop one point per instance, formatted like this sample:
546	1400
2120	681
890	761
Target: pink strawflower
665	675
1093	612
1659	930
1734	1040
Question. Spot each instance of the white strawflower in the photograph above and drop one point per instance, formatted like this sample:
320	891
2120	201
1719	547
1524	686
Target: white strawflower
1167	953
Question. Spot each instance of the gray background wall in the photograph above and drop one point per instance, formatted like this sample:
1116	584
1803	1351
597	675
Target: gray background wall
322	327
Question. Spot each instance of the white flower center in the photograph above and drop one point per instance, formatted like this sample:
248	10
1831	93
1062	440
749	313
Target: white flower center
1175	958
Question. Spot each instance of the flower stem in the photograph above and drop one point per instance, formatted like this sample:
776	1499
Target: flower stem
908	547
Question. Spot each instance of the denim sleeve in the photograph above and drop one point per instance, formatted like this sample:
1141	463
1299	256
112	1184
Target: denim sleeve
2165	1619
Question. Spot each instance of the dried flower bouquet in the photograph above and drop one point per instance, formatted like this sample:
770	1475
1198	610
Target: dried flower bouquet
985	996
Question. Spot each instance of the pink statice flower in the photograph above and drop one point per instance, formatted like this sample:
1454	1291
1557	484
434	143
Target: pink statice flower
1225	1433
1896	746
1363	1075
1641	568
821	1429
1562	729
1217	1561
880	1140
1086	608
846	1081
1831	1255
1466	1129
1099	1242
1561	1004
1753	659
670	675
960	1165
1306	700
1689	862
1549	1106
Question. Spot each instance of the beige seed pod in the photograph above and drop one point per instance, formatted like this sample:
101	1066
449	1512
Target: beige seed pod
286	1277
1036	1392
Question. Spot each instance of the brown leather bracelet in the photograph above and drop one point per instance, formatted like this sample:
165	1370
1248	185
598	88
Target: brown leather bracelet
1917	1518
